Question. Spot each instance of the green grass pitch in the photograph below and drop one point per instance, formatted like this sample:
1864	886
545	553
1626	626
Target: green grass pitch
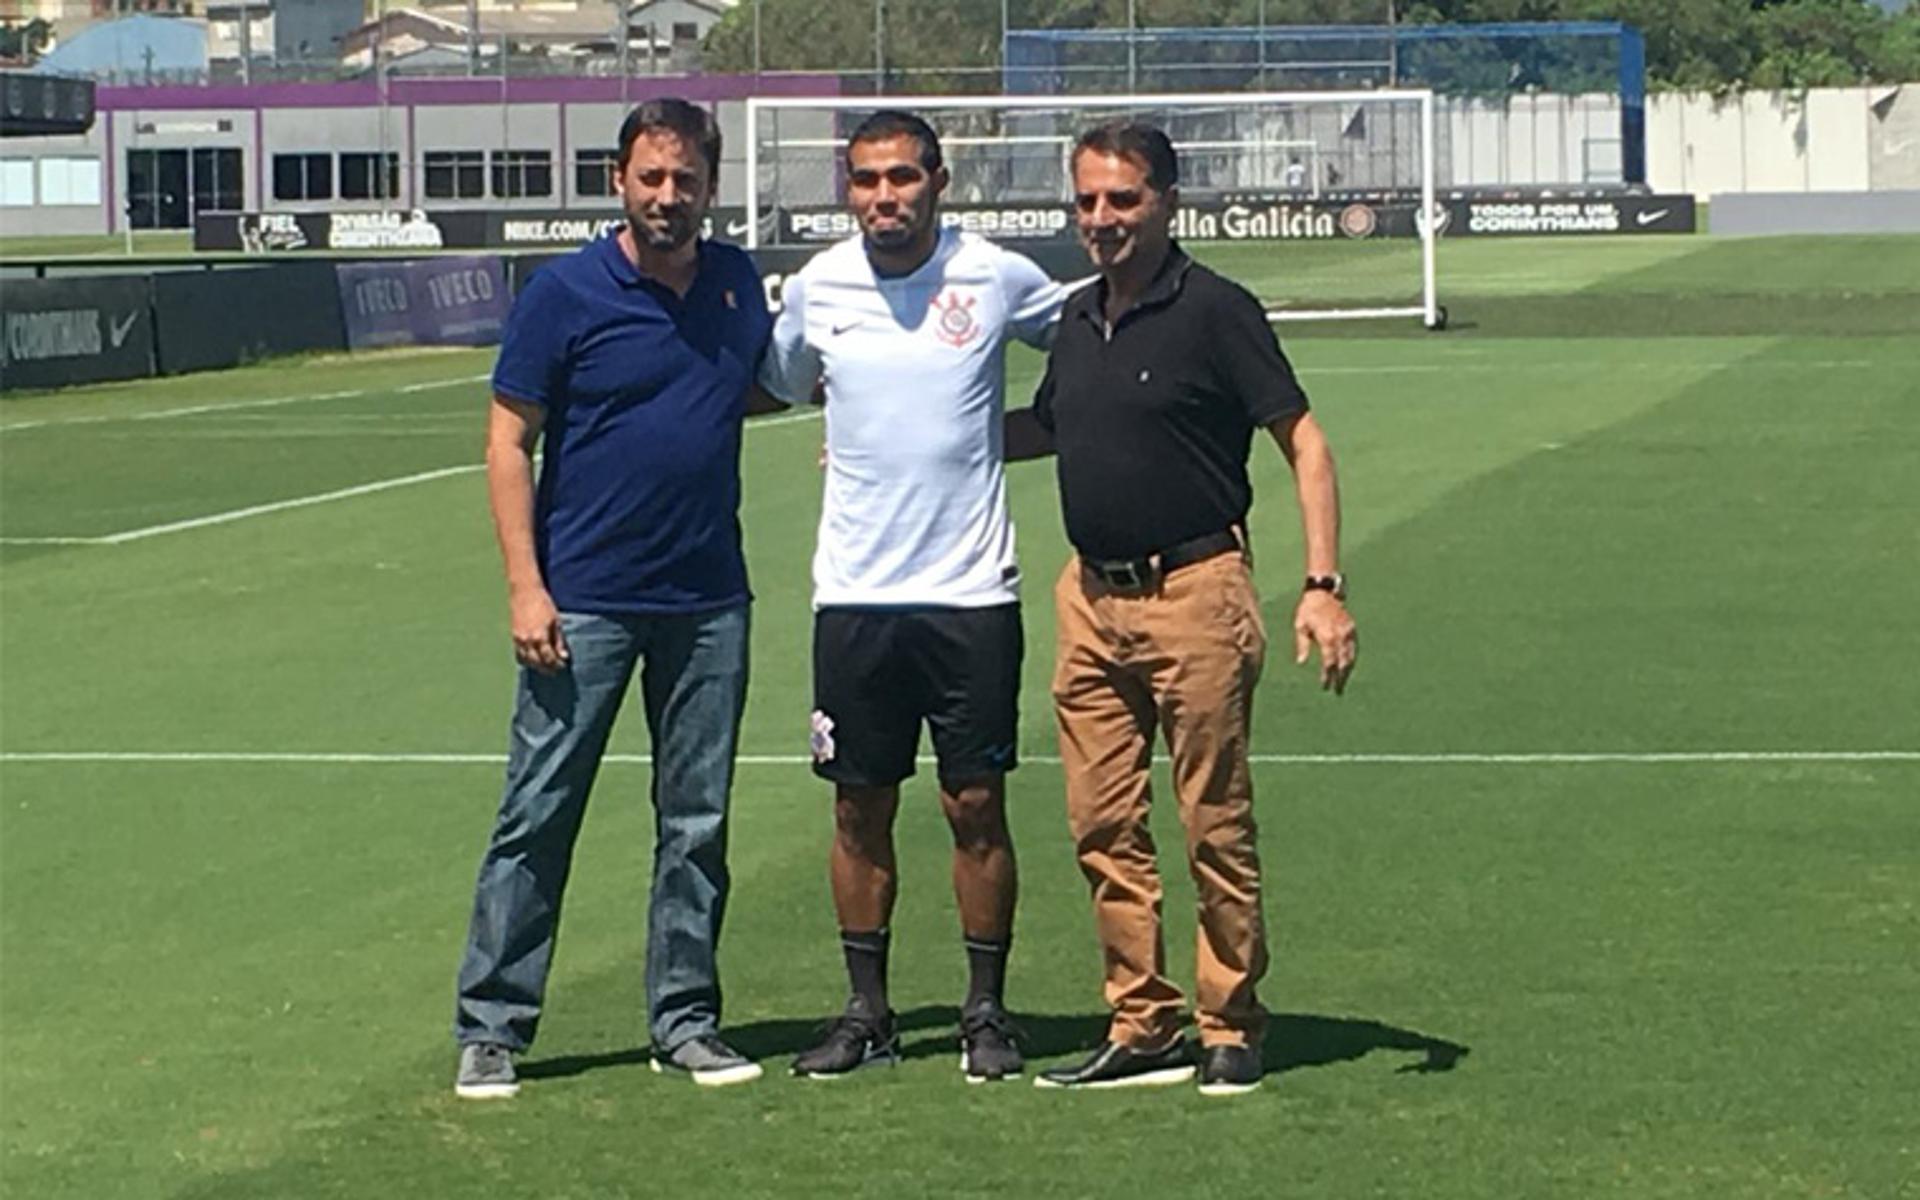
1651	500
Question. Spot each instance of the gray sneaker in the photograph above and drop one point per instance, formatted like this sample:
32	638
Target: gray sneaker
707	1060
486	1072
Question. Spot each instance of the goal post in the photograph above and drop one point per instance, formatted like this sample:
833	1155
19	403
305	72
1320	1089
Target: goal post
1353	171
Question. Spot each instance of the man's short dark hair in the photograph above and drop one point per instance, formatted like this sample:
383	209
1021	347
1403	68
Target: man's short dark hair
892	123
688	122
1144	145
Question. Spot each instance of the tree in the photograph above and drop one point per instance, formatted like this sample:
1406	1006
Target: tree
1709	45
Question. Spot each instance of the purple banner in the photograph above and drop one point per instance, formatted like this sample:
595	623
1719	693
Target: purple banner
424	302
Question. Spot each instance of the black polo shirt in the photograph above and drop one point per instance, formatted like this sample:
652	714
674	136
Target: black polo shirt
1153	419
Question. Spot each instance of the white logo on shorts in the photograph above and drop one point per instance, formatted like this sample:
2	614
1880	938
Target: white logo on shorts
821	737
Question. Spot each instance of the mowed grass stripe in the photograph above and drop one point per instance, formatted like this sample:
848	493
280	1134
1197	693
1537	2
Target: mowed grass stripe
347	493
1644	586
1478	759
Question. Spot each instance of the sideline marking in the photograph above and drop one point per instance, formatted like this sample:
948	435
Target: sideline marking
105	418
364	489
270	402
431	384
793	760
241	514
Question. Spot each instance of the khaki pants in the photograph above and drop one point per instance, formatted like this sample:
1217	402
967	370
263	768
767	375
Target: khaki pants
1183	655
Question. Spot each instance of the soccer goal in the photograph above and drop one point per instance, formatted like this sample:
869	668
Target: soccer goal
1326	194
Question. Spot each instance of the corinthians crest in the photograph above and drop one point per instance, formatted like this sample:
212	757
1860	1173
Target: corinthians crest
953	318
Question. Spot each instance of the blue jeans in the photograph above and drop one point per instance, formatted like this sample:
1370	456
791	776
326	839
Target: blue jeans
694	685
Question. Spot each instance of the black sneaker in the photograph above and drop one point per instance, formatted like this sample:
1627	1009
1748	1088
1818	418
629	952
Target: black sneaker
989	1044
856	1038
1229	1070
1115	1066
708	1061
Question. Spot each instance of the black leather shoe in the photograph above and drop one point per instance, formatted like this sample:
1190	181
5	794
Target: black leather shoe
1229	1070
1115	1066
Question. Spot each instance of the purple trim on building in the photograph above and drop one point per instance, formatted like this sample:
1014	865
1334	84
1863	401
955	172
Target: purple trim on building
361	93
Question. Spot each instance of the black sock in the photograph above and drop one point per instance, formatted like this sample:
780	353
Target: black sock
986	969
867	967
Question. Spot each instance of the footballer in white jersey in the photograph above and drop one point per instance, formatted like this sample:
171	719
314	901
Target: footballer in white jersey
915	511
916	600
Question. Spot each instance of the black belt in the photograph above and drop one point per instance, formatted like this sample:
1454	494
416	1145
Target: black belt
1138	574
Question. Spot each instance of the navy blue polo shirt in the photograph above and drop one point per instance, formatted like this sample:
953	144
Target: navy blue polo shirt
637	507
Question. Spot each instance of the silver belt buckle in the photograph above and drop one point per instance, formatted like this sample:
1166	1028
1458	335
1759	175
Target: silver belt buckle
1125	576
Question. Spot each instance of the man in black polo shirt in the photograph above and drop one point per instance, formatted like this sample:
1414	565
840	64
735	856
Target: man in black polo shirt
1159	375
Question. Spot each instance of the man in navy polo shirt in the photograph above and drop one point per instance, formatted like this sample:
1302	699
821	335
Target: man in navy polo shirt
629	364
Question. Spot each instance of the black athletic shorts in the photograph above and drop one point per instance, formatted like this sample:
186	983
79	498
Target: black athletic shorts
879	672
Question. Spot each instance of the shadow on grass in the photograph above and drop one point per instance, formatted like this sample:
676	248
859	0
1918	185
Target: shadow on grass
1294	1041
925	1032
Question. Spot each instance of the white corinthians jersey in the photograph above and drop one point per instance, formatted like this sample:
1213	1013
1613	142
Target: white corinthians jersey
915	511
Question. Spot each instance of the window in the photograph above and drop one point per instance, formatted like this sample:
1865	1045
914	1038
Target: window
70	181
16	183
360	177
455	174
216	180
522	173
685	31
303	177
594	172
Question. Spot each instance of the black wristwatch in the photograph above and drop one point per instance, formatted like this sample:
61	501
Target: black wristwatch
1335	583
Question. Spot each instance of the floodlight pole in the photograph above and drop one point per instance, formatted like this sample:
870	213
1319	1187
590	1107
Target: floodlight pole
1006	25
1262	21
1393	46
1133	46
620	19
380	88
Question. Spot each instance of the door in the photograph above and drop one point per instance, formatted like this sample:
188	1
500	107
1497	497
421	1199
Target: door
165	188
216	181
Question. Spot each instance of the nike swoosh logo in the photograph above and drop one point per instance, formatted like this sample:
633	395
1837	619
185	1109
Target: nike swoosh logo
837	330
736	228
119	330
1648	218
1893	148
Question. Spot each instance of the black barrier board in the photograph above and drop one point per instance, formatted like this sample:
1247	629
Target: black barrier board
532	229
1548	216
55	332
537	230
1275	218
211	319
1253	217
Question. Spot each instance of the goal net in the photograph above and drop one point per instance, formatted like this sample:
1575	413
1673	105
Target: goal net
1316	201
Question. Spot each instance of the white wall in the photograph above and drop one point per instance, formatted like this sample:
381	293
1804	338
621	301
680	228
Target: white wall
41	217
1824	140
